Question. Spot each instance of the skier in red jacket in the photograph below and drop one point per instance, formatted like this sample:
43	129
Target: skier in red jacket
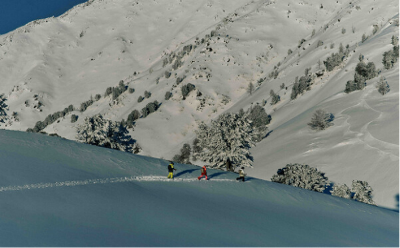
203	173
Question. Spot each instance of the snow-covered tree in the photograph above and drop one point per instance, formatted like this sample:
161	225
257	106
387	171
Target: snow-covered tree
184	157
367	71
383	86
341	191
275	98
150	108
186	89
250	88
260	119
229	136
302	176
321	120
106	133
132	117
362	192
395	40
3	108
74	118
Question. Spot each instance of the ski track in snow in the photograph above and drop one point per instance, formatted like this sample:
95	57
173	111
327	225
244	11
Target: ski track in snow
104	181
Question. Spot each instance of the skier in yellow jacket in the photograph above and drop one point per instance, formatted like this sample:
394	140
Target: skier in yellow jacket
171	170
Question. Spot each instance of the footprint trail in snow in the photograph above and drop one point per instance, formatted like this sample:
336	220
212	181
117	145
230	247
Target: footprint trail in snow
104	181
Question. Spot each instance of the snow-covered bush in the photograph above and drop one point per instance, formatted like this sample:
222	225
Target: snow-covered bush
258	116
150	108
273	74
229	136
250	88
363	73
180	79
260	119
74	118
108	92
364	38
186	89
367	71
357	84
362	192
3	108
168	95
395	40
390	57
383	86
321	120
178	63
184	157
117	91
106	133
300	86
85	105
334	60
132	117
147	94
302	176
275	98
342	191
51	118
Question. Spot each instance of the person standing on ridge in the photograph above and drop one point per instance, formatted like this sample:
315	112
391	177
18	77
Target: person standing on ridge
203	173
241	174
171	170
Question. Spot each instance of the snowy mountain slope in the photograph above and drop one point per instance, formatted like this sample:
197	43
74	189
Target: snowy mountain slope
96	45
56	192
50	64
362	144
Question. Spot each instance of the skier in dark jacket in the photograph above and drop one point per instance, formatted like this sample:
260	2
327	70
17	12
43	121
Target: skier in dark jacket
171	170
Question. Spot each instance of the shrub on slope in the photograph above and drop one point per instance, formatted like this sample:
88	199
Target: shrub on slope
302	176
106	133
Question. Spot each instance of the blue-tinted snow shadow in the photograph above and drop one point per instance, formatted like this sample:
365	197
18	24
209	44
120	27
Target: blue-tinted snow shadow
185	172
268	134
217	174
249	178
328	189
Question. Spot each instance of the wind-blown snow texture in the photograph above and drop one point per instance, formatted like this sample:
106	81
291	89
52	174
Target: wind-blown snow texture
55	192
50	64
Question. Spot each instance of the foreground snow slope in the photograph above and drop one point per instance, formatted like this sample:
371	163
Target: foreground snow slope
55	192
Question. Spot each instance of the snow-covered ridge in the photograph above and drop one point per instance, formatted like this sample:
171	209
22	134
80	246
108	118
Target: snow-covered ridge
103	197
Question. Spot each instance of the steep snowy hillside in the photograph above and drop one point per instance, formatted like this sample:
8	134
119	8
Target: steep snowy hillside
94	46
219	47
56	192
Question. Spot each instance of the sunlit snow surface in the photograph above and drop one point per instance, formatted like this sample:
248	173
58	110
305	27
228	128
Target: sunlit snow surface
55	192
